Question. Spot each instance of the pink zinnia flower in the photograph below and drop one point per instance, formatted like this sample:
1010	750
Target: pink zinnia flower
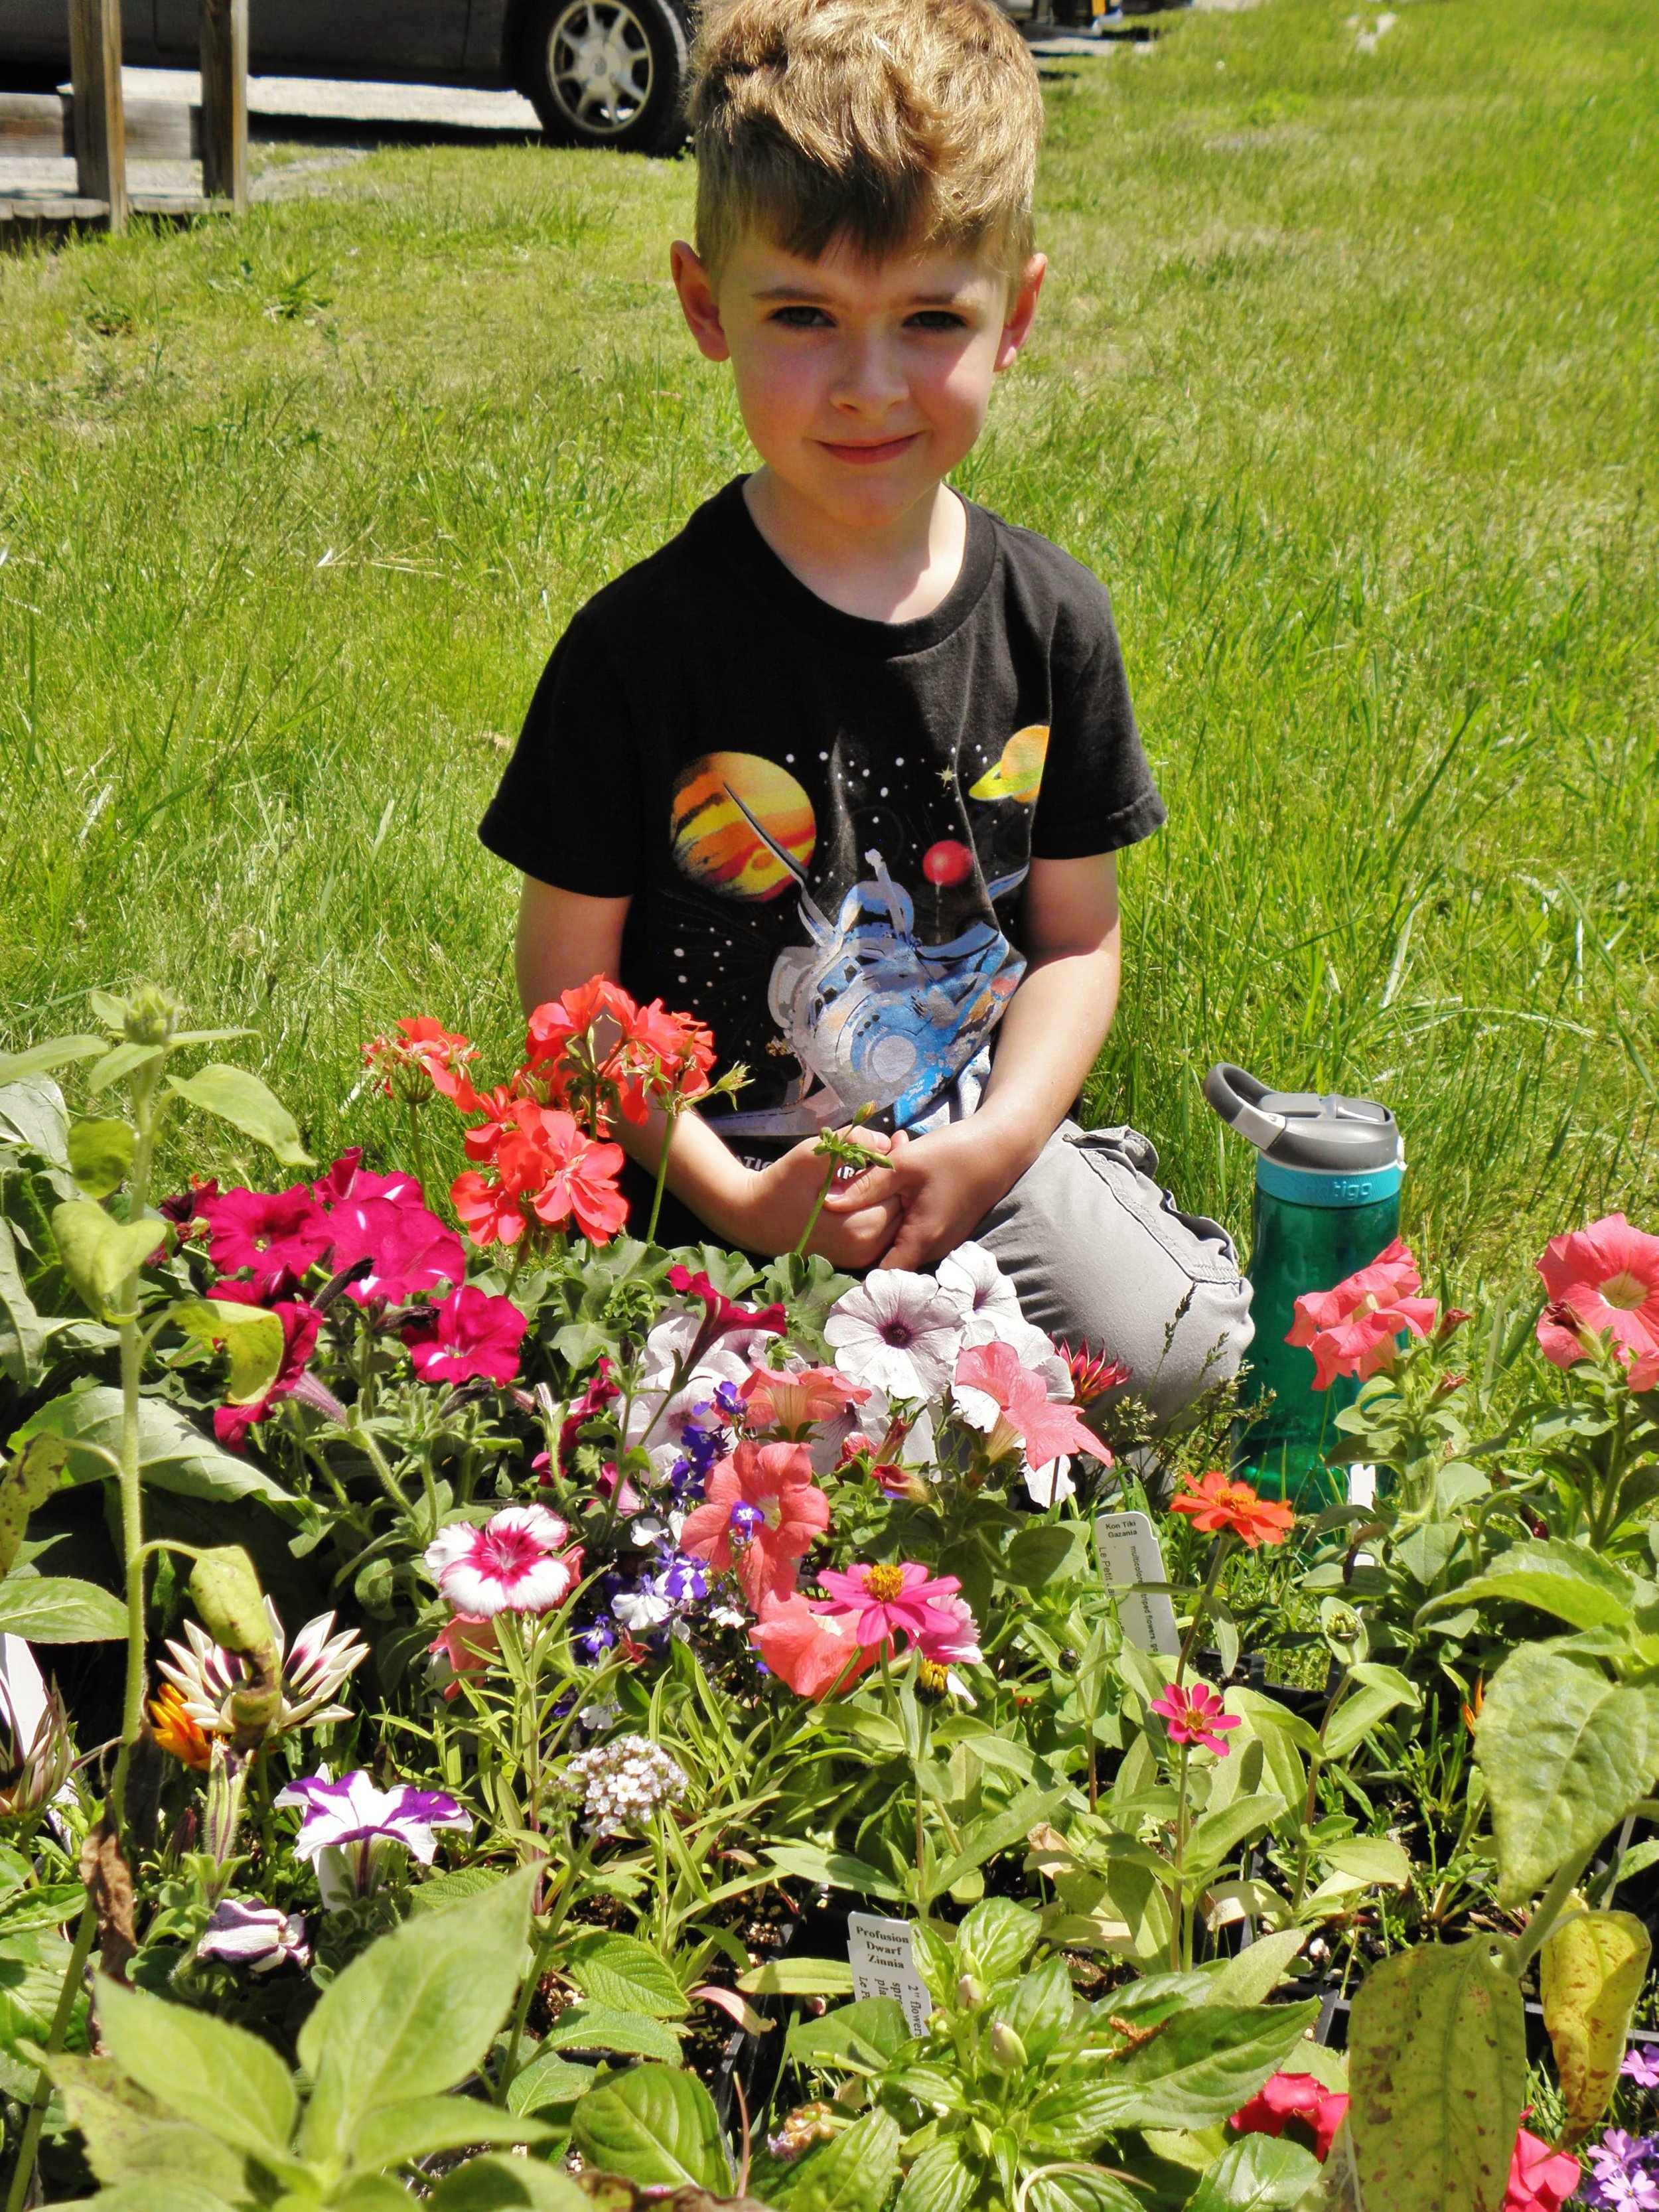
792	1401
1540	2179
883	1601
997	1392
1353	1329
1604	1280
810	1647
763	1514
957	1646
513	1563
1193	1714
469	1335
1296	2104
277	1234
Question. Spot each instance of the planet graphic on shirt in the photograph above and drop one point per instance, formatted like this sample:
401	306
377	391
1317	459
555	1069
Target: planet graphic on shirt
1019	772
717	844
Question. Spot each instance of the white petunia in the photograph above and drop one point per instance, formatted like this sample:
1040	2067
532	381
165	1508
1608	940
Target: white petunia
898	1332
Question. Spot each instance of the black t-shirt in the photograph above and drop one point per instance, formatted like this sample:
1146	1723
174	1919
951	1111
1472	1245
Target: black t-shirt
824	821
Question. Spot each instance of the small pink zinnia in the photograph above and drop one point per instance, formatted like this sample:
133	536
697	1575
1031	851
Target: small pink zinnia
470	1335
1355	1328
1192	1713
957	1646
777	1399
1603	1279
513	1563
885	1601
762	1513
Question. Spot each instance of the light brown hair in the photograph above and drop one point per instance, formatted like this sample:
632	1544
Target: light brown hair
892	126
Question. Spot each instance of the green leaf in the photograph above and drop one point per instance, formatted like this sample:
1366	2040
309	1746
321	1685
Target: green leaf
1590	1972
1038	2007
232	1095
170	2192
57	1609
397	2133
799	1978
1358	1714
1055	1553
1566	1753
1258	2173
1438	2075
414	2014
655	2125
509	2184
31	1968
1252	1974
26	1484
983	1839
251	1334
943	2180
1203	2064
1576	1585
130	2136
32	1114
621	1971
42	1059
99	1253
995	1939
172	1455
547	2082
101	1155
1373	1862
1080	2189
862	2037
834	1870
125	1060
855	2173
606	2028
1218	1836
222	2078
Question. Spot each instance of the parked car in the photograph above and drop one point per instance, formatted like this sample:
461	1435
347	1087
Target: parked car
598	72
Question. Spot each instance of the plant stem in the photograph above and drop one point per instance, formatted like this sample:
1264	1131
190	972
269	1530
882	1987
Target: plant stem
24	2172
1539	1928
817	1208
131	1487
1189	1641
1178	1945
670	1116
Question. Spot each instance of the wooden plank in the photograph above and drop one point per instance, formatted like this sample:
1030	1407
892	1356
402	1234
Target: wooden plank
224	102
40	126
100	145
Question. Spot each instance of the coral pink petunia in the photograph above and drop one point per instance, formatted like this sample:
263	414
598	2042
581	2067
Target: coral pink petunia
513	1563
1193	1714
1296	2103
883	1601
470	1642
1215	1503
276	1235
997	1392
1355	1328
762	1515
1540	2179
810	1647
1603	1280
470	1336
792	1400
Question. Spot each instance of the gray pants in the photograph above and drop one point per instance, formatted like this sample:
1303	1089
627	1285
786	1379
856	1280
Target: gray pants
1099	1254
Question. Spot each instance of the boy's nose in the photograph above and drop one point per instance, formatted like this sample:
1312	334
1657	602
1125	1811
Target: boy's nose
868	380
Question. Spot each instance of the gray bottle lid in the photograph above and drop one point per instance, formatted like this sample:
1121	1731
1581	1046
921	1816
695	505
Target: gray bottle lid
1304	1128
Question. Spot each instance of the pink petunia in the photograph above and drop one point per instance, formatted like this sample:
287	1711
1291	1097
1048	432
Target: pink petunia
793	1400
1291	2104
1540	2179
996	1391
1603	1280
409	1248
762	1515
1193	1714
1354	1329
276	1235
470	1335
808	1646
883	1601
513	1563
470	1642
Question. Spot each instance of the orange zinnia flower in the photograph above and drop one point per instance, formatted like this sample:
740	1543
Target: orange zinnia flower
1216	1502
175	1731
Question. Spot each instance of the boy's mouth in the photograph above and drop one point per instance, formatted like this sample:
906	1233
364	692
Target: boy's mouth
866	455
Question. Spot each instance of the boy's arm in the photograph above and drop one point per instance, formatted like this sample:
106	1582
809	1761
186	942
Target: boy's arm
1047	1043
563	939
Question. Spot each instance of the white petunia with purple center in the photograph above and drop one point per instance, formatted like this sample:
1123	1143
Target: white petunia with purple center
897	1331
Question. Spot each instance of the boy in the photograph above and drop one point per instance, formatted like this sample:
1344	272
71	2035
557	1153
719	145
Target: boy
843	769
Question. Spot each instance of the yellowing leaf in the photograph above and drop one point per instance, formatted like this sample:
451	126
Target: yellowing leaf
1590	1972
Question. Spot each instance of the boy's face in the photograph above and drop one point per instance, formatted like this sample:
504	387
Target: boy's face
861	384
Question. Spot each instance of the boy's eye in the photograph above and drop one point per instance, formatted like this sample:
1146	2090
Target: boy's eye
801	318
936	318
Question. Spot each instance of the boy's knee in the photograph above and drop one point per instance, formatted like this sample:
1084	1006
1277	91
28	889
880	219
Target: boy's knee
1099	1254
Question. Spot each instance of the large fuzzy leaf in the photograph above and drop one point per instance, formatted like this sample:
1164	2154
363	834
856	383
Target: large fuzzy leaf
173	1454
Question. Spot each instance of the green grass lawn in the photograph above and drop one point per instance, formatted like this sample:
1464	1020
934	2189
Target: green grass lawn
1345	381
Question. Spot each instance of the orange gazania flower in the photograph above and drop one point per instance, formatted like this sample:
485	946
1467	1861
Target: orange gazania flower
175	1731
1216	1502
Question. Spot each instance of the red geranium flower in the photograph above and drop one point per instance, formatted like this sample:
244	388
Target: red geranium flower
470	1335
422	1058
580	1179
1216	1502
763	1514
1354	1329
1298	2106
572	1014
1603	1280
277	1234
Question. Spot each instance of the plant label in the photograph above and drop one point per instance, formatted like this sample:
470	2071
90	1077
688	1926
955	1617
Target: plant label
1130	1553
883	1962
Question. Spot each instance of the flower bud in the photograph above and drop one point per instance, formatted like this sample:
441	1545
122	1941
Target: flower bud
227	1593
1006	2048
969	1993
32	1768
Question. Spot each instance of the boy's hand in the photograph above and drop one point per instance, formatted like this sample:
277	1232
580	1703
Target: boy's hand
945	1183
783	1195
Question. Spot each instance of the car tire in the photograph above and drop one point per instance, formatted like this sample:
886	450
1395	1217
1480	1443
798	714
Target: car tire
608	72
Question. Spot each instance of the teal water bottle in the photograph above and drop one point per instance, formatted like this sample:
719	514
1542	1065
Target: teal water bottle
1328	1176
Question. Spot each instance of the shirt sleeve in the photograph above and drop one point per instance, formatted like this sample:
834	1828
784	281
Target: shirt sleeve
1097	793
567	809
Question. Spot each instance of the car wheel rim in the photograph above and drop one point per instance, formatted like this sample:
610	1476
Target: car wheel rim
600	65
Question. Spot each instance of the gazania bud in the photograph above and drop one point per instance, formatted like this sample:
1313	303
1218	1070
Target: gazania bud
32	1771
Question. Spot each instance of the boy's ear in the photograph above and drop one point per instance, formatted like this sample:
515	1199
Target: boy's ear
1022	309
698	304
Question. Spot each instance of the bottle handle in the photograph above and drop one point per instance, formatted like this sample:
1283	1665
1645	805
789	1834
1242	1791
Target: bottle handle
1237	1095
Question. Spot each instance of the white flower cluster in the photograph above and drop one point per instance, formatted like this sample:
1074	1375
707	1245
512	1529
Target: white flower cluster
621	1784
